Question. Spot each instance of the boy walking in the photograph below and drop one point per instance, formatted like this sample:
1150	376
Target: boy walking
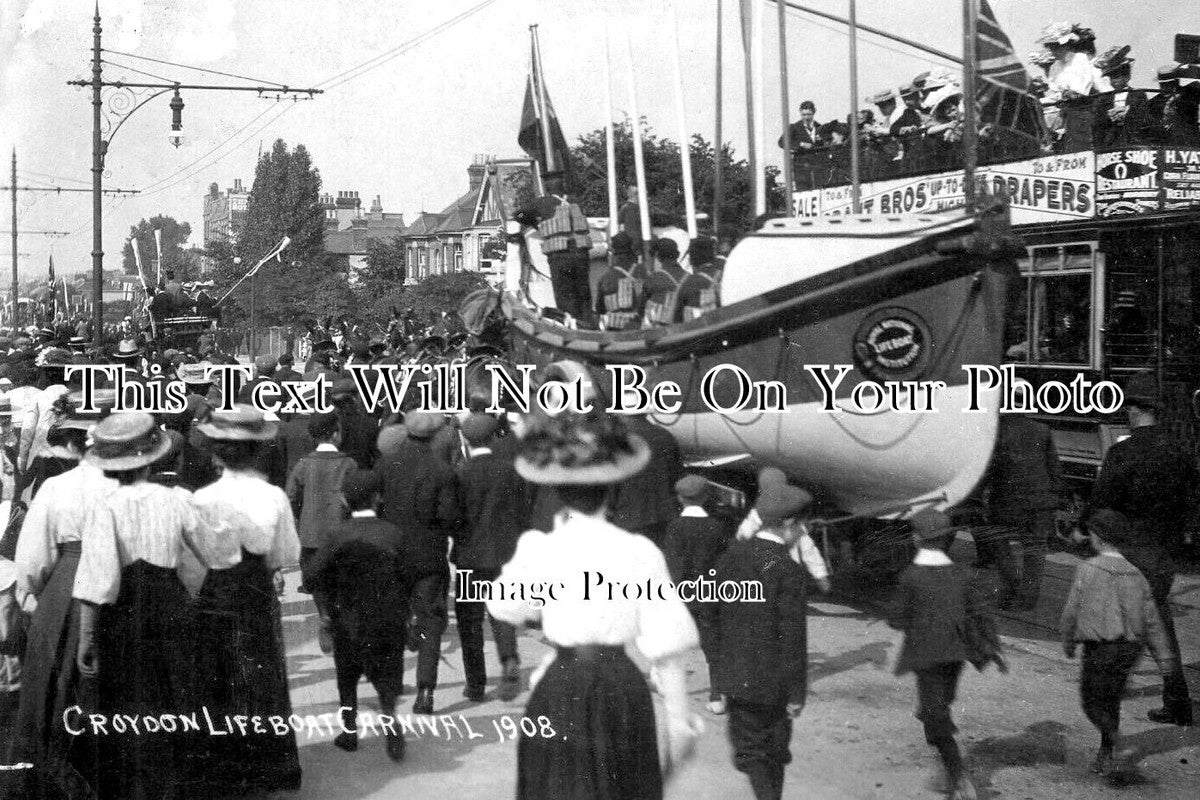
762	648
315	490
692	545
1111	611
358	574
944	623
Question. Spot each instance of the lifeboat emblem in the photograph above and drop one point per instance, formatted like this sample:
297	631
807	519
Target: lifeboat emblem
892	344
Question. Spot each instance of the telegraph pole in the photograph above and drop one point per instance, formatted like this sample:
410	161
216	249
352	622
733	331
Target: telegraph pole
14	188
100	144
98	147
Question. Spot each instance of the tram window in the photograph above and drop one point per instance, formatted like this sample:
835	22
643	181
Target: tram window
1016	323
1077	256
1062	312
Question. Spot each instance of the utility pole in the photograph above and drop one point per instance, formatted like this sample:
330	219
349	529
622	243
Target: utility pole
100	145
14	188
14	240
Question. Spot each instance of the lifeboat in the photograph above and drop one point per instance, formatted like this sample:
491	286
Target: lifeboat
903	302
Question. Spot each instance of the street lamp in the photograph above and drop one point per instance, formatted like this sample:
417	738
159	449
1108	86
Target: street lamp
107	120
175	137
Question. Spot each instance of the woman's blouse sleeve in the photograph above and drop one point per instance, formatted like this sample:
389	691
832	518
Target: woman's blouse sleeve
98	579
665	626
37	551
527	564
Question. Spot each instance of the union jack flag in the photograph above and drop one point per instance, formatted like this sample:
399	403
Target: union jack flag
1003	95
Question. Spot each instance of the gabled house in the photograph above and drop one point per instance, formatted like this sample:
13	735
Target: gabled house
467	234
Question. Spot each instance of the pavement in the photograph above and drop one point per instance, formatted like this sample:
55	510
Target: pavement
1023	734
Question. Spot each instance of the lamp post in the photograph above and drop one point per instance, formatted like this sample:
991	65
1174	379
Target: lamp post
110	120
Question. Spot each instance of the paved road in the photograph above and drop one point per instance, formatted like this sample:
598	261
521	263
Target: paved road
1024	734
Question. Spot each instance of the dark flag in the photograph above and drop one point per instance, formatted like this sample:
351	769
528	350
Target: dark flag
1004	97
530	137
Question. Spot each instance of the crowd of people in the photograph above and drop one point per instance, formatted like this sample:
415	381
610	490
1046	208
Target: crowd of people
1086	101
143	559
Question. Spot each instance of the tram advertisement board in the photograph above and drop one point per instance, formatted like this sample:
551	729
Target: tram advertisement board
1180	178
1128	181
1048	189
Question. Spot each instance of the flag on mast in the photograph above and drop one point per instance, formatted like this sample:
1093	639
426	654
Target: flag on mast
530	138
1004	97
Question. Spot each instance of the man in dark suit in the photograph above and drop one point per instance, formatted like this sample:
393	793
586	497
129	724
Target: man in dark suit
1023	493
762	648
805	133
359	429
1151	478
645	503
495	502
420	497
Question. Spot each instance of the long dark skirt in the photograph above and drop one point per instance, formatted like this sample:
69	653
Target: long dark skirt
604	745
144	669
64	765
241	670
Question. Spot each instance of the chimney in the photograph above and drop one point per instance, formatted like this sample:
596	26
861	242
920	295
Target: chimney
237	184
477	171
377	207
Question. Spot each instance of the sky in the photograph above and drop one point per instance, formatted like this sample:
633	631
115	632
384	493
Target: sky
406	126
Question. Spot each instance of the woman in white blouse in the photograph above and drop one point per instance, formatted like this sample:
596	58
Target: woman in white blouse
47	557
248	534
596	734
135	622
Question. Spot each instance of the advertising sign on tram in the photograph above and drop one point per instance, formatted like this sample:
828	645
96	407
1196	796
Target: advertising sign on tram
1180	178
1127	181
1040	190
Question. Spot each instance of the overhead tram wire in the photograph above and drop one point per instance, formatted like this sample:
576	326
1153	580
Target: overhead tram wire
197	69
288	107
28	174
194	162
916	55
136	71
382	58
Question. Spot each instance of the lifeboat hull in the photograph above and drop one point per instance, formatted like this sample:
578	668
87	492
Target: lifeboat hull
904	317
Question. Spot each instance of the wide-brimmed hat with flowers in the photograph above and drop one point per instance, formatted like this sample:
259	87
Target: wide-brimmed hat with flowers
572	450
1112	59
243	424
127	440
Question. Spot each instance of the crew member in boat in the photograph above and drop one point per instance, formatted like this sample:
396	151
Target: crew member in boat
662	287
630	218
566	243
620	292
700	292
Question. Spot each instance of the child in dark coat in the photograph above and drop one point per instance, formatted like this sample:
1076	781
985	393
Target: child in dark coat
1110	611
762	661
692	545
944	623
358	572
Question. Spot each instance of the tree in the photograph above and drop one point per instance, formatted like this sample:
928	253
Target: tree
438	293
174	235
664	178
379	285
285	200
